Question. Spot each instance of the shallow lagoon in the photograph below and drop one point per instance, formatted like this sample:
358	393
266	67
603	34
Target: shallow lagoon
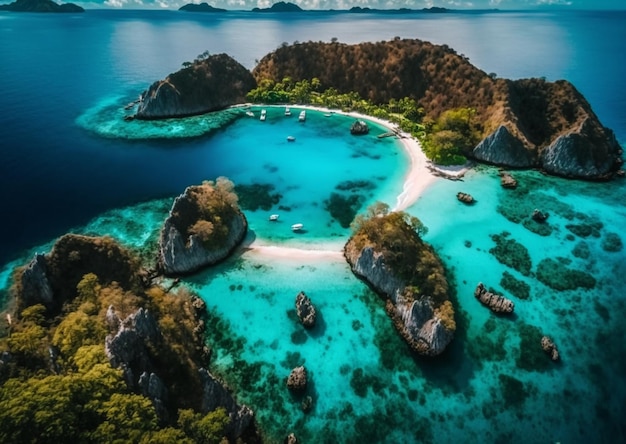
493	384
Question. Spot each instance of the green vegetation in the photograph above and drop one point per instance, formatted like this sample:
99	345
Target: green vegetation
443	140
56	384
207	211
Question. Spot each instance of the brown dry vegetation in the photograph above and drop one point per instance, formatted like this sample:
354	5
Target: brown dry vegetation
439	79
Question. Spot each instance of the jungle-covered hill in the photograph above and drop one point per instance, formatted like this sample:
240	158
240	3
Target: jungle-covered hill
535	112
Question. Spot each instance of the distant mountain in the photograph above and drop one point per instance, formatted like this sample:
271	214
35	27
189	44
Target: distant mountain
359	10
280	7
202	7
40	6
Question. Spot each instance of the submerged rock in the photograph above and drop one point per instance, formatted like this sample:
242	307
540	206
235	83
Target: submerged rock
297	380
305	310
539	216
549	347
507	181
495	302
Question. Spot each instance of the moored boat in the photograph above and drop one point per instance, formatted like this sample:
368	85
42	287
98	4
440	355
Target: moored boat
287	111
274	217
302	116
290	139
263	115
297	227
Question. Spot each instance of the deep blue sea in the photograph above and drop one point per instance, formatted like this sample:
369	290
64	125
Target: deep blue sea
67	164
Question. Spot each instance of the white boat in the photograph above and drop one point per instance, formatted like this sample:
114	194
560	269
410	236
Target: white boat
302	116
274	217
263	115
287	111
249	113
297	227
290	139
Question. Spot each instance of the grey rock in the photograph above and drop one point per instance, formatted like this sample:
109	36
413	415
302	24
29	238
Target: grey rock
495	302
215	395
297	380
36	288
152	387
359	127
502	148
305	310
507	181
548	346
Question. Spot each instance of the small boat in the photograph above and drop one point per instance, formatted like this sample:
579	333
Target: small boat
263	115
249	113
290	139
287	111
327	114
297	227
274	217
302	116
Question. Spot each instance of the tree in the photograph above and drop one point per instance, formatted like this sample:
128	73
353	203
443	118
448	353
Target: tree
207	428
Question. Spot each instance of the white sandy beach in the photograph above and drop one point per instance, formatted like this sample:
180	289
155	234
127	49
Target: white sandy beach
418	179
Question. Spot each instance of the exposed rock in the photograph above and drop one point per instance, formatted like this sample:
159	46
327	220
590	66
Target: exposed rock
210	84
578	153
495	302
539	216
549	347
180	251
507	181
359	127
52	279
417	317
297	380
291	439
151	386
502	148
305	310
214	395
465	198
35	285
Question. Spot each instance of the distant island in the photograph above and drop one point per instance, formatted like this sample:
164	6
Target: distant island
40	6
280	7
202	7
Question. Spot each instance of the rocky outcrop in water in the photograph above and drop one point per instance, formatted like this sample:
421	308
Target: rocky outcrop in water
507	181
297	380
204	226
359	128
415	300
539	216
465	198
210	84
215	395
40	6
548	346
495	302
305	310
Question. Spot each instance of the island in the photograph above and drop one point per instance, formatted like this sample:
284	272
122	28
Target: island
280	7
387	252
40	6
200	7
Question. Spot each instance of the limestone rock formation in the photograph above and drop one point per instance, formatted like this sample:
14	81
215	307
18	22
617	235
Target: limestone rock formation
291	439
465	198
502	148
305	310
495	302
297	380
507	181
539	216
359	127
51	279
210	84
215	395
424	317
181	249
548	346
524	123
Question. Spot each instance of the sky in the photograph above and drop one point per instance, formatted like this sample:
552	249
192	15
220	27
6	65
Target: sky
347	4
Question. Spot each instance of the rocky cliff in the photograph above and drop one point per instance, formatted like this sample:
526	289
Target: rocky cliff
415	291
523	123
209	84
204	226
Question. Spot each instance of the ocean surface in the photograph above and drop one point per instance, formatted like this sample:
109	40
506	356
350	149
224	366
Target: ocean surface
68	164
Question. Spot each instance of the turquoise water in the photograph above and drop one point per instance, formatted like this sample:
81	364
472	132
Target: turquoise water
71	165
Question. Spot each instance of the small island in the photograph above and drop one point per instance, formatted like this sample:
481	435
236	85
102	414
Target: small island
200	7
40	6
280	7
387	252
